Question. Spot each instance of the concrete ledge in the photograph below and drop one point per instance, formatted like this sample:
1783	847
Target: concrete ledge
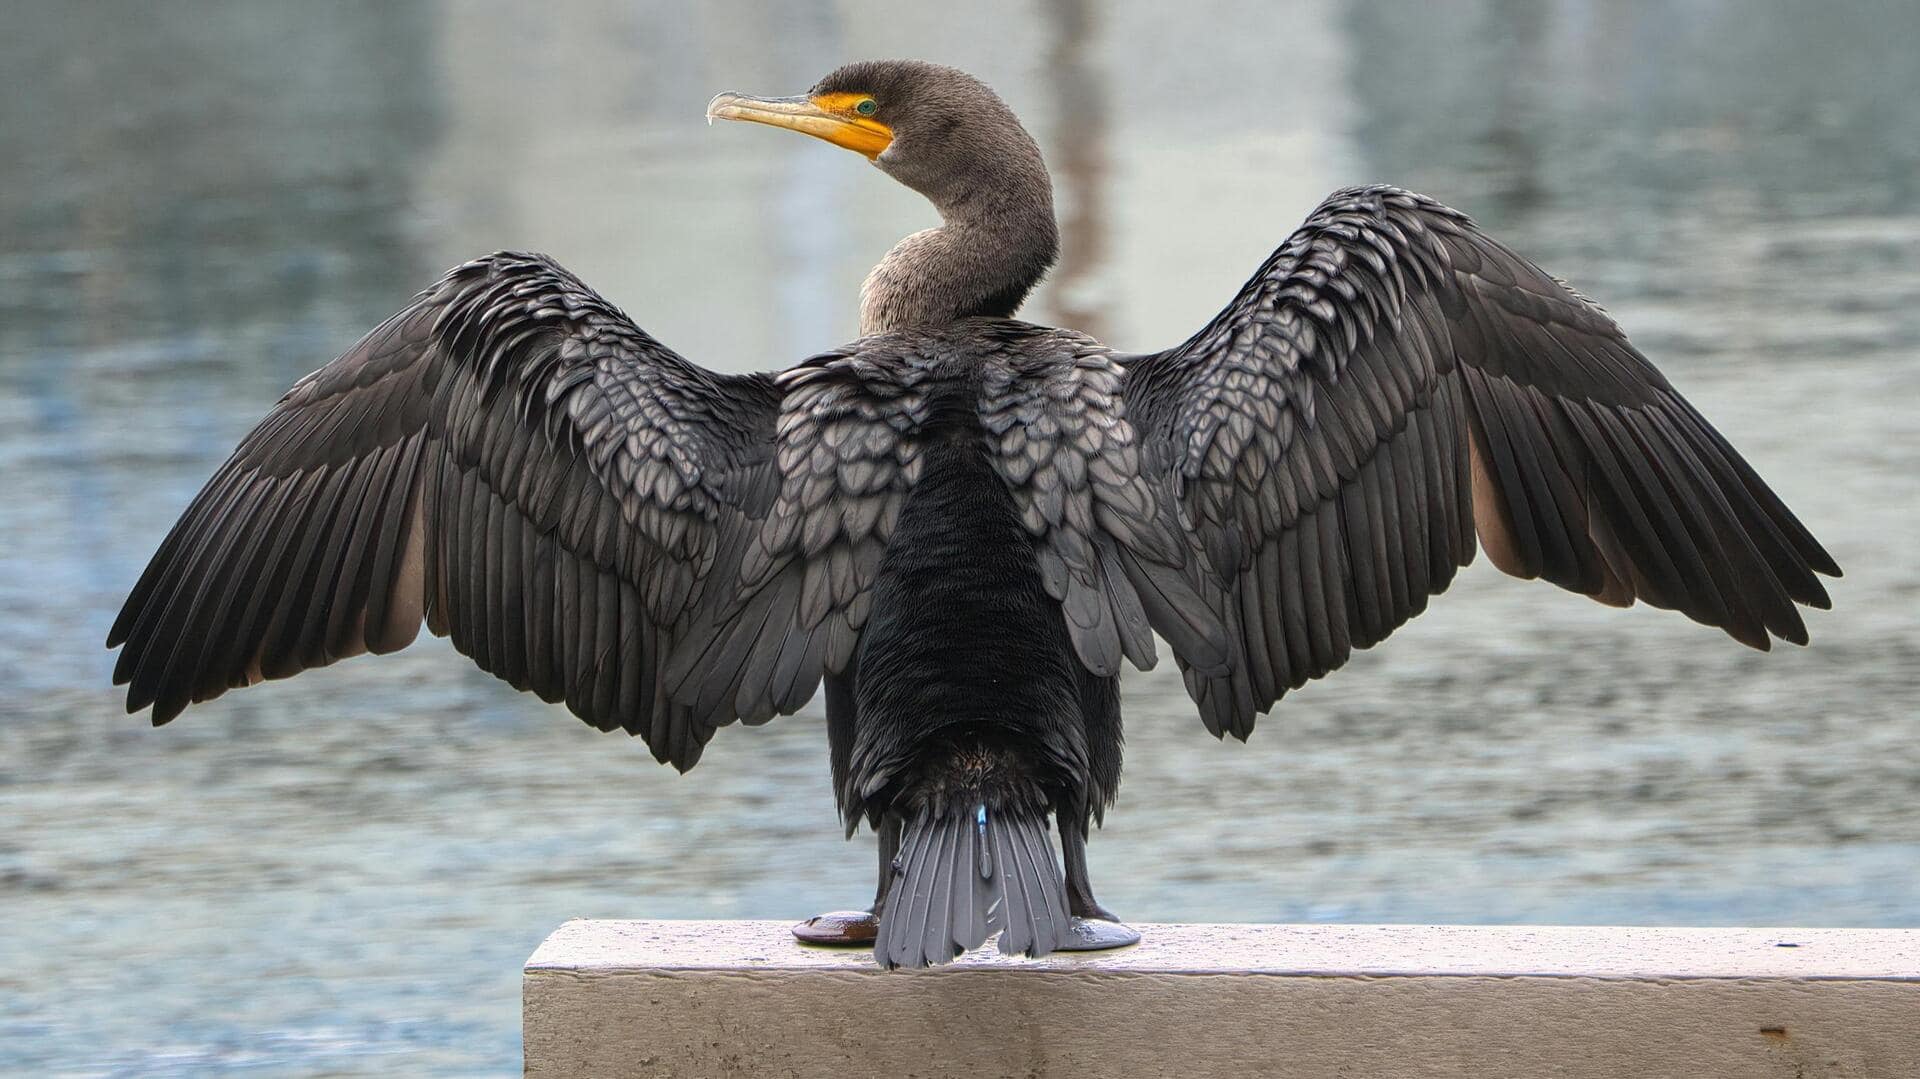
743	999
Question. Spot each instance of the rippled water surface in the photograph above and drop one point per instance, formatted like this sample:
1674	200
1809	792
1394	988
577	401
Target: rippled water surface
341	874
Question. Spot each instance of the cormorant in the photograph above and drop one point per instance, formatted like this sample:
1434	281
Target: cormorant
963	523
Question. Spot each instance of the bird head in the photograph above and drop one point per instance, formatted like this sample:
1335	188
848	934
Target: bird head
938	130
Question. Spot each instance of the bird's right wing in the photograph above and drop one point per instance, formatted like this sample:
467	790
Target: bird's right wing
1394	383
513	460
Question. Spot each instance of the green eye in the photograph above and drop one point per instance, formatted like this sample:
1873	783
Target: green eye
867	107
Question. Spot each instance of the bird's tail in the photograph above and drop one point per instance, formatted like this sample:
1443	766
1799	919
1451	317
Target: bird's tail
966	871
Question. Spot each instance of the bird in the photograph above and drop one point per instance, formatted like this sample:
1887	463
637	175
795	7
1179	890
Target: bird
960	526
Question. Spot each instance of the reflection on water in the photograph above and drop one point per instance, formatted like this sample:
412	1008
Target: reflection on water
342	872
1077	157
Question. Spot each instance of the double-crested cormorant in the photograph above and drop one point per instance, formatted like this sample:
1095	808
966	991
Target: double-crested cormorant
962	522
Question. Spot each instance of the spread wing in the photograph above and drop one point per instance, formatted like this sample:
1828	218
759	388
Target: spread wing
1392	384
509	458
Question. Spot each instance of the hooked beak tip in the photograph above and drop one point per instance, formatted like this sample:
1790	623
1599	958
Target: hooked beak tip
728	105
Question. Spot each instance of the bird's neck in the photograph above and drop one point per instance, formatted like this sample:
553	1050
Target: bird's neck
982	261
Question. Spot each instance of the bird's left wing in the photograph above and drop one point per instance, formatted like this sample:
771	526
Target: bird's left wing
1394	383
514	461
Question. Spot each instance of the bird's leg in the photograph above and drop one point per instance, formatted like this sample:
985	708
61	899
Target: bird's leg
1080	900
1094	927
858	928
889	836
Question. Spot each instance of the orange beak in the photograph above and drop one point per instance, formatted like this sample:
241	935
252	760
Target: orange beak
829	117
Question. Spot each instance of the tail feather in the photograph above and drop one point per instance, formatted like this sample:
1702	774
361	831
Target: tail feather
965	874
945	850
967	889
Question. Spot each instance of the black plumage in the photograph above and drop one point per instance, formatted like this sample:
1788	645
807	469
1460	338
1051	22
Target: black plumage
962	522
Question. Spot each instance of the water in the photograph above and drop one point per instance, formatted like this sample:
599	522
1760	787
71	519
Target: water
341	874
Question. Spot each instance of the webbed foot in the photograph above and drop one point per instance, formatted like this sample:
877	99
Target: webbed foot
1098	935
840	929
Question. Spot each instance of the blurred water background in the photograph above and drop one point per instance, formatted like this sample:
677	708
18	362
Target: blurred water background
341	874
